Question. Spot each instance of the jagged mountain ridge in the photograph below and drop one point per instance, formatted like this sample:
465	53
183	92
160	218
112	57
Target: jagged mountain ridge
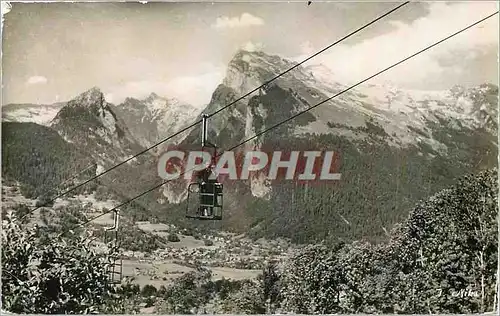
394	108
404	114
100	132
155	117
89	121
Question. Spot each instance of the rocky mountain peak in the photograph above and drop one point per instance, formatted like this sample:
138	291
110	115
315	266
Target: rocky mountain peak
153	95
90	97
260	60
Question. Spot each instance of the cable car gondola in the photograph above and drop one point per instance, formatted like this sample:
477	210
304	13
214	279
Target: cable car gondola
204	201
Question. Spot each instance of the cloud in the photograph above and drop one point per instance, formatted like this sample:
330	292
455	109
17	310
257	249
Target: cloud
353	63
307	48
252	47
194	89
37	80
246	19
5	8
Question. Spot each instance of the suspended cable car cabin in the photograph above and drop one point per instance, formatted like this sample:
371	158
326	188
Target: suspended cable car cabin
205	196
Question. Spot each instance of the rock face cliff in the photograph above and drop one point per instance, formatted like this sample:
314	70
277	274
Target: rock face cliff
89	121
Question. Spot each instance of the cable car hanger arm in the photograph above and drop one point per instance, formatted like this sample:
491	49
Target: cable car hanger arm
204	135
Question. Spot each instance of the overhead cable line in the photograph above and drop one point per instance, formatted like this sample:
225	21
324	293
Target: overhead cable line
108	170
302	112
74	176
363	81
217	111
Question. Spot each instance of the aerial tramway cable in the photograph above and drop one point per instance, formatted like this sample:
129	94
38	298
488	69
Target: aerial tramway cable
304	111
217	111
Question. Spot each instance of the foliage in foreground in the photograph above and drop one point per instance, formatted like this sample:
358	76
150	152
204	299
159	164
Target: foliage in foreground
443	259
50	275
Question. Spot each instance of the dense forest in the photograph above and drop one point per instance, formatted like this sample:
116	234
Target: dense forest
45	164
41	160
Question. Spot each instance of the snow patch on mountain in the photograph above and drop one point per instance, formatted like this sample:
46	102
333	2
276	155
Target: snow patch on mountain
173	197
170	114
156	117
32	113
261	186
399	117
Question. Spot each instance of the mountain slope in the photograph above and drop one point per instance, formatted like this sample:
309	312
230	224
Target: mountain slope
395	146
39	158
88	121
85	128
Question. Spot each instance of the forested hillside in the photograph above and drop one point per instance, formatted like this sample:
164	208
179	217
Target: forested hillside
443	259
380	183
395	147
40	159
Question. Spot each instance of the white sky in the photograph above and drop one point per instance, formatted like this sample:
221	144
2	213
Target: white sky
54	51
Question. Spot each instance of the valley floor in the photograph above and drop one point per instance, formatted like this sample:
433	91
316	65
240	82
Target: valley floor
162	266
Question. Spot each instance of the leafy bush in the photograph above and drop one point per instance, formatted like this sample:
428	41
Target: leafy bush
186	295
50	276
224	287
248	300
148	290
446	251
125	299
